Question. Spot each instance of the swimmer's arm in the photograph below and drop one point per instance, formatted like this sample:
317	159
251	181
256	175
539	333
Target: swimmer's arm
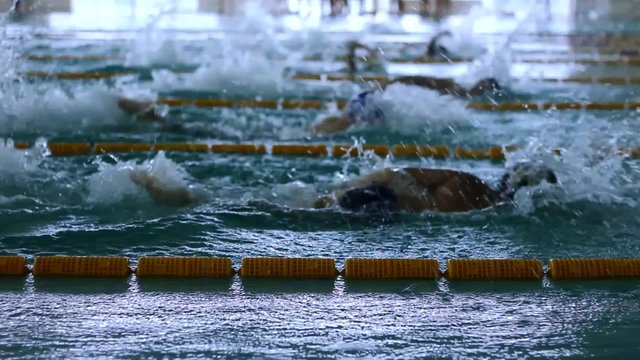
382	177
444	86
332	124
143	110
329	199
416	80
161	193
432	178
432	48
351	55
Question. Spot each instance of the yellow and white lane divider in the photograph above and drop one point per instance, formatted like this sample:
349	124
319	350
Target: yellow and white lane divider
609	80
629	61
317	104
569	105
322	268
626	60
401	150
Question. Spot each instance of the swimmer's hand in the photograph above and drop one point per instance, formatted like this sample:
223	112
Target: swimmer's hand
142	110
162	193
330	125
325	201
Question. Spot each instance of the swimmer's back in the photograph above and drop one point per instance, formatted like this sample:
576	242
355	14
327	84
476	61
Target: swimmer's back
443	86
452	190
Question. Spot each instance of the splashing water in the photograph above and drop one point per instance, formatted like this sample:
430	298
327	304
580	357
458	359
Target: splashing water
585	171
112	184
296	194
410	108
41	107
153	50
17	164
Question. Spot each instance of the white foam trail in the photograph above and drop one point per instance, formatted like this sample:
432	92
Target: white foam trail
236	74
16	164
410	108
111	184
48	107
296	194
586	172
154	50
312	42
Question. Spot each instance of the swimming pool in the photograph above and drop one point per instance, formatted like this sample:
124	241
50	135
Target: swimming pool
260	206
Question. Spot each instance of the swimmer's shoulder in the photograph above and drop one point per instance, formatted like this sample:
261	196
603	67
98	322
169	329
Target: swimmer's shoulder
439	177
425	81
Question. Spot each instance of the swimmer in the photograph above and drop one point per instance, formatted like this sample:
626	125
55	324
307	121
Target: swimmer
337	6
439	190
160	192
361	108
407	189
145	111
434	49
18	10
373	62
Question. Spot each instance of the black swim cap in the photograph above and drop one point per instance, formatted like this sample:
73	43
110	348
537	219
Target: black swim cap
373	198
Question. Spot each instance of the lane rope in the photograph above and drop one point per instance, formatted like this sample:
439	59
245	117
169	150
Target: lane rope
328	77
316	104
426	60
562	106
630	61
383	78
399	150
631	52
282	104
322	268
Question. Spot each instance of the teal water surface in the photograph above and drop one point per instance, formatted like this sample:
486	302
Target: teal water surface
261	206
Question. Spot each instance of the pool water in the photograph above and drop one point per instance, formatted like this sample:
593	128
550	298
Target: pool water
261	206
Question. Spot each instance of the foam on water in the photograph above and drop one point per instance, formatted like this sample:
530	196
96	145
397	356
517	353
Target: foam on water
40	107
409	109
16	164
239	73
585	171
154	49
295	194
112	184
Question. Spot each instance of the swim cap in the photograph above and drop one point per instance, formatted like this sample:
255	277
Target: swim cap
372	198
490	84
527	174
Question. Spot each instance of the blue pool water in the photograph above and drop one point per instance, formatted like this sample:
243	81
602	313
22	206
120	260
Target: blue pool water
261	205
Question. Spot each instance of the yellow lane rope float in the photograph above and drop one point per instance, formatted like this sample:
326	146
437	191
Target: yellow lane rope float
494	269
391	269
81	266
184	267
593	268
301	268
399	150
322	268
13	266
